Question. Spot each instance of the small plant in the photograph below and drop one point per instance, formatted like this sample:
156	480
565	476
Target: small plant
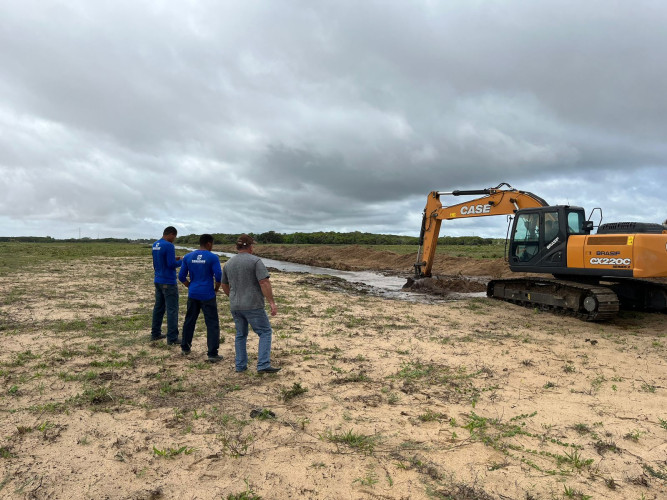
173	452
235	443
577	462
6	453
296	389
577	495
371	479
393	398
569	368
13	390
663	423
604	446
248	494
648	388
549	385
634	435
431	416
581	428
45	426
361	442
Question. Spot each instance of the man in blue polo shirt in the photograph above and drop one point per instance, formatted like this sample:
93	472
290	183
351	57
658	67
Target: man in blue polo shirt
203	267
165	263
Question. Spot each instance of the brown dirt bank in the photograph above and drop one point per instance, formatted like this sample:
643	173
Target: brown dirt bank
356	258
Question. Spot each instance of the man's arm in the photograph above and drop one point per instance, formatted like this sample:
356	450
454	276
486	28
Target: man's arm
265	285
172	261
183	273
225	288
217	273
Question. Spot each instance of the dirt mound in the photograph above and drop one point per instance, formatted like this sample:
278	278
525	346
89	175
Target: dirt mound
446	285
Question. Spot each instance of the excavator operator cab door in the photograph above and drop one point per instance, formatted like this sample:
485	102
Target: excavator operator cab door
539	237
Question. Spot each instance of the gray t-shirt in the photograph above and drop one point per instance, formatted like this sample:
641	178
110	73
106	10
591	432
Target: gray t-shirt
242	273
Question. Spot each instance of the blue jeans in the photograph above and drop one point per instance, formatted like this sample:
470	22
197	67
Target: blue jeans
166	297
210	310
259	322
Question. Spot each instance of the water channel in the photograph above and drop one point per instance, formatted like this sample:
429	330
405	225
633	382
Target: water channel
377	284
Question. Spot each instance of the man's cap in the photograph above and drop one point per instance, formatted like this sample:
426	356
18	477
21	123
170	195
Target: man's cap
245	241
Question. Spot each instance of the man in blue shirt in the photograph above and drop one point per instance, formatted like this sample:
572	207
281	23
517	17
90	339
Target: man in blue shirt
203	267
165	263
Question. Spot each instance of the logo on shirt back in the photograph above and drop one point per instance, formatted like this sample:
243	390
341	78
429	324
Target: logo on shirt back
199	260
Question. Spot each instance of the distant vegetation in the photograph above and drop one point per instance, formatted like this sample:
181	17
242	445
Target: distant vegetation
317	238
49	239
333	238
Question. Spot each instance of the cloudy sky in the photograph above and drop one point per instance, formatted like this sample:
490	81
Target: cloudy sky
119	118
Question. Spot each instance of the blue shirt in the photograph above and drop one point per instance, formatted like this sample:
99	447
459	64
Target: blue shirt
164	262
203	266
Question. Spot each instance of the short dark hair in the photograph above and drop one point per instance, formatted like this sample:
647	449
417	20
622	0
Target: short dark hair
169	230
205	239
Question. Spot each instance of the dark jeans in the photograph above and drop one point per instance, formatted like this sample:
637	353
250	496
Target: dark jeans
166	297
210	310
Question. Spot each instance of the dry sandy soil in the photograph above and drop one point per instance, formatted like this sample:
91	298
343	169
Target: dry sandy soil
378	398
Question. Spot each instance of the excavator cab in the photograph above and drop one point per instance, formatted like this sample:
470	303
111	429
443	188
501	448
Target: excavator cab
539	236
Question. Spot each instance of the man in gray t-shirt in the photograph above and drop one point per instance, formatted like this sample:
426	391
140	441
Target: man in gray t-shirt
245	280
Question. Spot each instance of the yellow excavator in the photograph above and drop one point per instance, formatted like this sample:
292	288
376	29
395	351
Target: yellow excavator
594	275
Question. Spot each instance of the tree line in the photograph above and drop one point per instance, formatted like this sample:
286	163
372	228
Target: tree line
334	238
316	238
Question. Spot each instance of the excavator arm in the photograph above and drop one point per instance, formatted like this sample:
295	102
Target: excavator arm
496	201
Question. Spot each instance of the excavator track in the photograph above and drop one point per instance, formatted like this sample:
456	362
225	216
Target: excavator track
640	294
585	301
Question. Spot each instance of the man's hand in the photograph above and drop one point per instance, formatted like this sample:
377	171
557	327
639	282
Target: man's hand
274	308
178	257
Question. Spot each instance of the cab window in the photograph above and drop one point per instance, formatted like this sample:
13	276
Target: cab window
575	223
550	226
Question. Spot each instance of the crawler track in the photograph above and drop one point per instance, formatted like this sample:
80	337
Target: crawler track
585	301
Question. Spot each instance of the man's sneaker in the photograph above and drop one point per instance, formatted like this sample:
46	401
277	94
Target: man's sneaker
174	342
240	370
159	337
270	369
215	359
185	352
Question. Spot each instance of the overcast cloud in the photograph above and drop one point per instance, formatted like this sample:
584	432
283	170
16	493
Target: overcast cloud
119	118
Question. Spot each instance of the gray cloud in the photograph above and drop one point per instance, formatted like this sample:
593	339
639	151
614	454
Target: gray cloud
299	116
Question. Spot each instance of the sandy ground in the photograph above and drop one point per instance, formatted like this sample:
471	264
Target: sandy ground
467	399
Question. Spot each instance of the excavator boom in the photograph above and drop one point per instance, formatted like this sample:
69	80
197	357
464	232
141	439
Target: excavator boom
495	201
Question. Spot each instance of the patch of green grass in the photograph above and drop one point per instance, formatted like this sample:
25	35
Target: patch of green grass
581	428
645	387
362	442
20	256
173	452
575	494
24	356
248	494
634	435
431	416
287	394
370	479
